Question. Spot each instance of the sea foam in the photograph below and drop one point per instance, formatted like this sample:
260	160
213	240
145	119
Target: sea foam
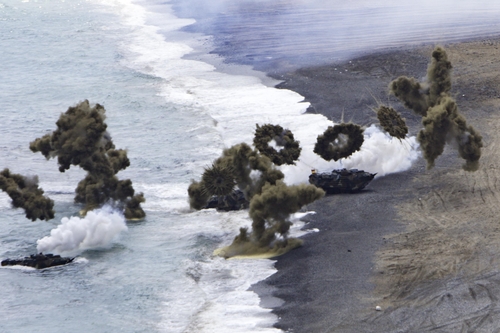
236	103
214	294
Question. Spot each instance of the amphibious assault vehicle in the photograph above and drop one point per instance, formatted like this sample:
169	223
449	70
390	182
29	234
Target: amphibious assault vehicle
234	201
341	181
39	261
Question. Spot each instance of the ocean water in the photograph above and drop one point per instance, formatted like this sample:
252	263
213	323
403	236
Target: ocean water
174	106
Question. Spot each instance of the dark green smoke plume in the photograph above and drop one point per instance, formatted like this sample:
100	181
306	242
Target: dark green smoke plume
392	122
290	150
270	211
25	194
443	123
339	141
218	180
81	139
198	196
237	162
409	91
440	116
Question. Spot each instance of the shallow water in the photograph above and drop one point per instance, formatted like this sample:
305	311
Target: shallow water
174	112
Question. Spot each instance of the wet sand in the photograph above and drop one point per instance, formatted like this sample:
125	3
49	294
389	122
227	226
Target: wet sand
424	245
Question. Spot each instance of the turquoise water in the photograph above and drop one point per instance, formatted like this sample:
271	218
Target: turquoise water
174	111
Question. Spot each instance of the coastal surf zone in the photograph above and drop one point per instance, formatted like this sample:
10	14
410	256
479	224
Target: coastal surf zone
141	140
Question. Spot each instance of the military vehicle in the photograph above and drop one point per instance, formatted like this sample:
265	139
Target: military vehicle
39	261
341	181
234	201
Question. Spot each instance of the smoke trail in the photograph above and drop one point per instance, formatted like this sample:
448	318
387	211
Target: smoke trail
392	122
74	235
270	212
249	170
283	138
81	139
339	141
25	194
440	117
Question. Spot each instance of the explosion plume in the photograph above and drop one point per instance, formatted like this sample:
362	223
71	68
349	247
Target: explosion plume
249	169
81	139
244	160
218	180
392	122
25	194
283	138
198	196
409	91
440	117
339	141
270	211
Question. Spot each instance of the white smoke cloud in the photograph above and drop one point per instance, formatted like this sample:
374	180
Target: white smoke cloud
383	154
74	235
380	153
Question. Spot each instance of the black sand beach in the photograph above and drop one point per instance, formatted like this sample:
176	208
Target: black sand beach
421	244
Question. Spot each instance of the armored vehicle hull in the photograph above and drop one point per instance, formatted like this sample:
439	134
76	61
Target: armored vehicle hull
234	201
39	261
341	181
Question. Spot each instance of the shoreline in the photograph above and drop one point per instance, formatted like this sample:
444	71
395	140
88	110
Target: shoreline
374	248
